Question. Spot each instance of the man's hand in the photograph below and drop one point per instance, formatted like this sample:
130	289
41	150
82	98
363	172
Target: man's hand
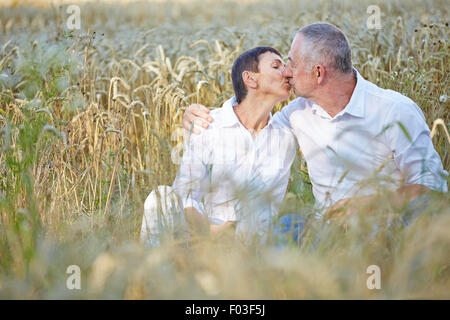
407	194
197	114
398	198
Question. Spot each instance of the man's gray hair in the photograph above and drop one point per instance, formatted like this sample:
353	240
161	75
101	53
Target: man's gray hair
326	44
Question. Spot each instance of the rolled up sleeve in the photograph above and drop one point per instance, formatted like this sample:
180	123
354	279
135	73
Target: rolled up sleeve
414	154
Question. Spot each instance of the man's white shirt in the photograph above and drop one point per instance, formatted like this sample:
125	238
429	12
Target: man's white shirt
380	139
228	175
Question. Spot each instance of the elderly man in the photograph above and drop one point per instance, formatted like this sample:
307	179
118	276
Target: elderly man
354	135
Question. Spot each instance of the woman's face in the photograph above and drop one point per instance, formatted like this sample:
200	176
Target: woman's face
271	81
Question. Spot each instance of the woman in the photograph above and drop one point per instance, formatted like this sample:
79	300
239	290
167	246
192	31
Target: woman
234	175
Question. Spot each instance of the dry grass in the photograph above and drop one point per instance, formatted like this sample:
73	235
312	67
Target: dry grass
89	120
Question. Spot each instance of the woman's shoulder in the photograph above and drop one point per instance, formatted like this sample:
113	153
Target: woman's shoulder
221	116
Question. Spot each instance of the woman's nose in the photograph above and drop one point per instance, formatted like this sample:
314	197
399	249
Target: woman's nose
286	71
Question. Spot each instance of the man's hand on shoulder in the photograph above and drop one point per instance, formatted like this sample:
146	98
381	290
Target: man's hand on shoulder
198	115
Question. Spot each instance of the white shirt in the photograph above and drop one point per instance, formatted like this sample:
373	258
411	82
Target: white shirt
228	175
365	145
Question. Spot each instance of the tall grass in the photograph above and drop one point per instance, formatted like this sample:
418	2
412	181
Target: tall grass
90	119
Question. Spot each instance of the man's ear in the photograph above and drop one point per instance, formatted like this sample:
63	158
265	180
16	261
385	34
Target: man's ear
249	79
319	73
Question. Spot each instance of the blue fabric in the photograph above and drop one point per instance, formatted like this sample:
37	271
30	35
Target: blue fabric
416	208
289	229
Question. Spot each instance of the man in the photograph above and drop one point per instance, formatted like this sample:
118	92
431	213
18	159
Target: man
355	136
238	169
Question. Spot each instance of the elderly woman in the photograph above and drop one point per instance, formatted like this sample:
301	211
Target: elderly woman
234	175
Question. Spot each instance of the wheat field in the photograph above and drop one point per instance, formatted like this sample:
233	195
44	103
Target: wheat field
90	120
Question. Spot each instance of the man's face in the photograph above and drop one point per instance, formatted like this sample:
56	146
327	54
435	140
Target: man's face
299	77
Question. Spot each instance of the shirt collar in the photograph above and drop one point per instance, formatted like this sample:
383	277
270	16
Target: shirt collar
229	117
356	105
318	110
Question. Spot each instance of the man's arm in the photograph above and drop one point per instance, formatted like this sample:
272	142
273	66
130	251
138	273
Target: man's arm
408	136
413	152
398	198
199	115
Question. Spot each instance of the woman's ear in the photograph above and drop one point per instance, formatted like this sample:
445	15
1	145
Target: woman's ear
249	79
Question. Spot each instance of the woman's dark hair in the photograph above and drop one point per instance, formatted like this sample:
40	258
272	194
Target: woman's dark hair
248	61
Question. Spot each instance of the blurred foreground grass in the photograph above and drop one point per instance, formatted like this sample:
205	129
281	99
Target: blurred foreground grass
90	120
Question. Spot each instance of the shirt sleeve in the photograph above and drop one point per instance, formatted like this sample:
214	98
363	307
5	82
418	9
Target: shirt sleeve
189	184
408	136
282	117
